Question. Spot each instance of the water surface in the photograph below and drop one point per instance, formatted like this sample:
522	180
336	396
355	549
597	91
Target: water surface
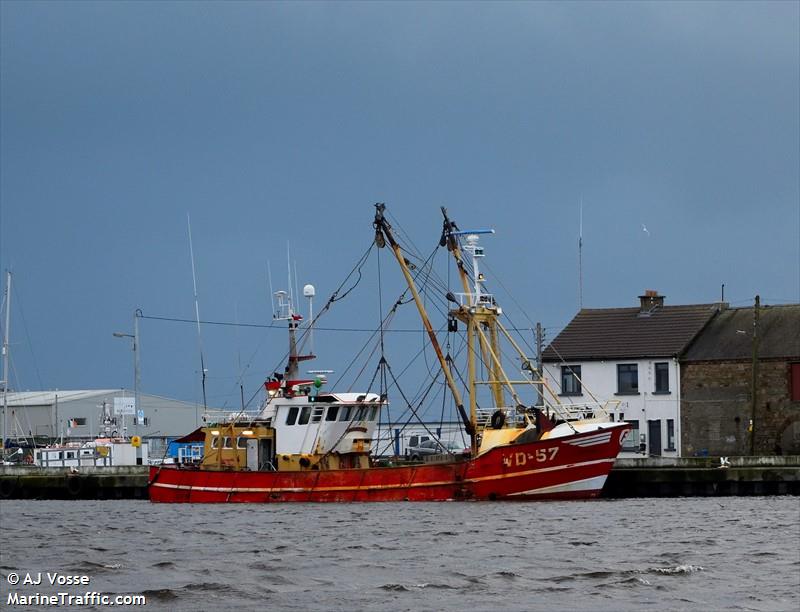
731	553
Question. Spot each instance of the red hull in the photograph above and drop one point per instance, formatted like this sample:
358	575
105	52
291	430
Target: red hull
562	468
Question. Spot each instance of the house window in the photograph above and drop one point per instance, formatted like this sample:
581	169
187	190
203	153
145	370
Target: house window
627	378
305	413
291	416
77	422
795	381
662	377
571	380
631	443
670	434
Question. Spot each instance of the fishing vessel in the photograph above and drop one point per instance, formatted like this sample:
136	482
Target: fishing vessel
308	444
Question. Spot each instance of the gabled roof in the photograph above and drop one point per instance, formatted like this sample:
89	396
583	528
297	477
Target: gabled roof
730	335
627	333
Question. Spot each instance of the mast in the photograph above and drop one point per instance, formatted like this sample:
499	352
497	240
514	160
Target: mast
477	310
5	359
383	234
197	317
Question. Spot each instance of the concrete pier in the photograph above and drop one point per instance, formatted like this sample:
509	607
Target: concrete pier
646	477
31	482
704	477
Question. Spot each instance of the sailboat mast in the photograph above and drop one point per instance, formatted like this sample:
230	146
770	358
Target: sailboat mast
197	316
5	359
384	230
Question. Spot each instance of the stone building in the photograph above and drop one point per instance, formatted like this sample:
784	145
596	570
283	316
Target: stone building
716	385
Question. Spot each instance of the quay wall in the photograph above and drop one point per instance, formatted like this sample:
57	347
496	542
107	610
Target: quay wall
646	477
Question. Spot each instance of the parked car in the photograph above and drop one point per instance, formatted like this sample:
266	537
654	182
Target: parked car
435	447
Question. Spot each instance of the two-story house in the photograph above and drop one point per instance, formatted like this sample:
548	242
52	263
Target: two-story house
631	355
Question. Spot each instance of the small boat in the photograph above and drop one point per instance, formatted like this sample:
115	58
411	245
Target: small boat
308	444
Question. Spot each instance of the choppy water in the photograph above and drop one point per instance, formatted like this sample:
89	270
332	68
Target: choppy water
732	553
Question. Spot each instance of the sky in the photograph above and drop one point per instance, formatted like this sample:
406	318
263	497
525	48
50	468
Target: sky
675	126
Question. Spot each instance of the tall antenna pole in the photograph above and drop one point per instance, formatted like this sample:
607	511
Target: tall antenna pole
289	275
580	260
197	318
5	359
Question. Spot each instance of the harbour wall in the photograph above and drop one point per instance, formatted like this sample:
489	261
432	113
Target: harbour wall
646	477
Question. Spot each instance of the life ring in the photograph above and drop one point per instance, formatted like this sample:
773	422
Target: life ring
498	419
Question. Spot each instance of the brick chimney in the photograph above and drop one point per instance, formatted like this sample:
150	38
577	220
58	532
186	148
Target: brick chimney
650	301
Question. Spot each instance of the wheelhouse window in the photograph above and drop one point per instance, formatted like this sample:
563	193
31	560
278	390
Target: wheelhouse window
373	413
227	442
627	378
333	411
344	414
214	441
662	377
305	414
291	416
571	380
316	416
360	413
241	442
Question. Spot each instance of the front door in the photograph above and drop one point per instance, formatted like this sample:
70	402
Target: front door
654	437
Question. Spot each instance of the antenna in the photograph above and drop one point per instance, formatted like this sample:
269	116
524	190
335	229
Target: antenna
271	293
580	260
197	317
296	292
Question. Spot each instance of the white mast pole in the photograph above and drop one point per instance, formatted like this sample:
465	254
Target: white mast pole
5	359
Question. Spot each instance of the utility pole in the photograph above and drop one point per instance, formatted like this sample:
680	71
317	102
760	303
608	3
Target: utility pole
754	391
539	366
136	375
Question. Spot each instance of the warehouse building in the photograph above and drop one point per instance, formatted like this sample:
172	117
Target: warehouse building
86	414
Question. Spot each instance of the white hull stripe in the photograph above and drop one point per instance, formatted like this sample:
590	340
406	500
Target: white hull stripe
587	484
603	438
314	489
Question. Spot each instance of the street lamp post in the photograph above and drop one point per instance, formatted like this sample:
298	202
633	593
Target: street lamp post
136	380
